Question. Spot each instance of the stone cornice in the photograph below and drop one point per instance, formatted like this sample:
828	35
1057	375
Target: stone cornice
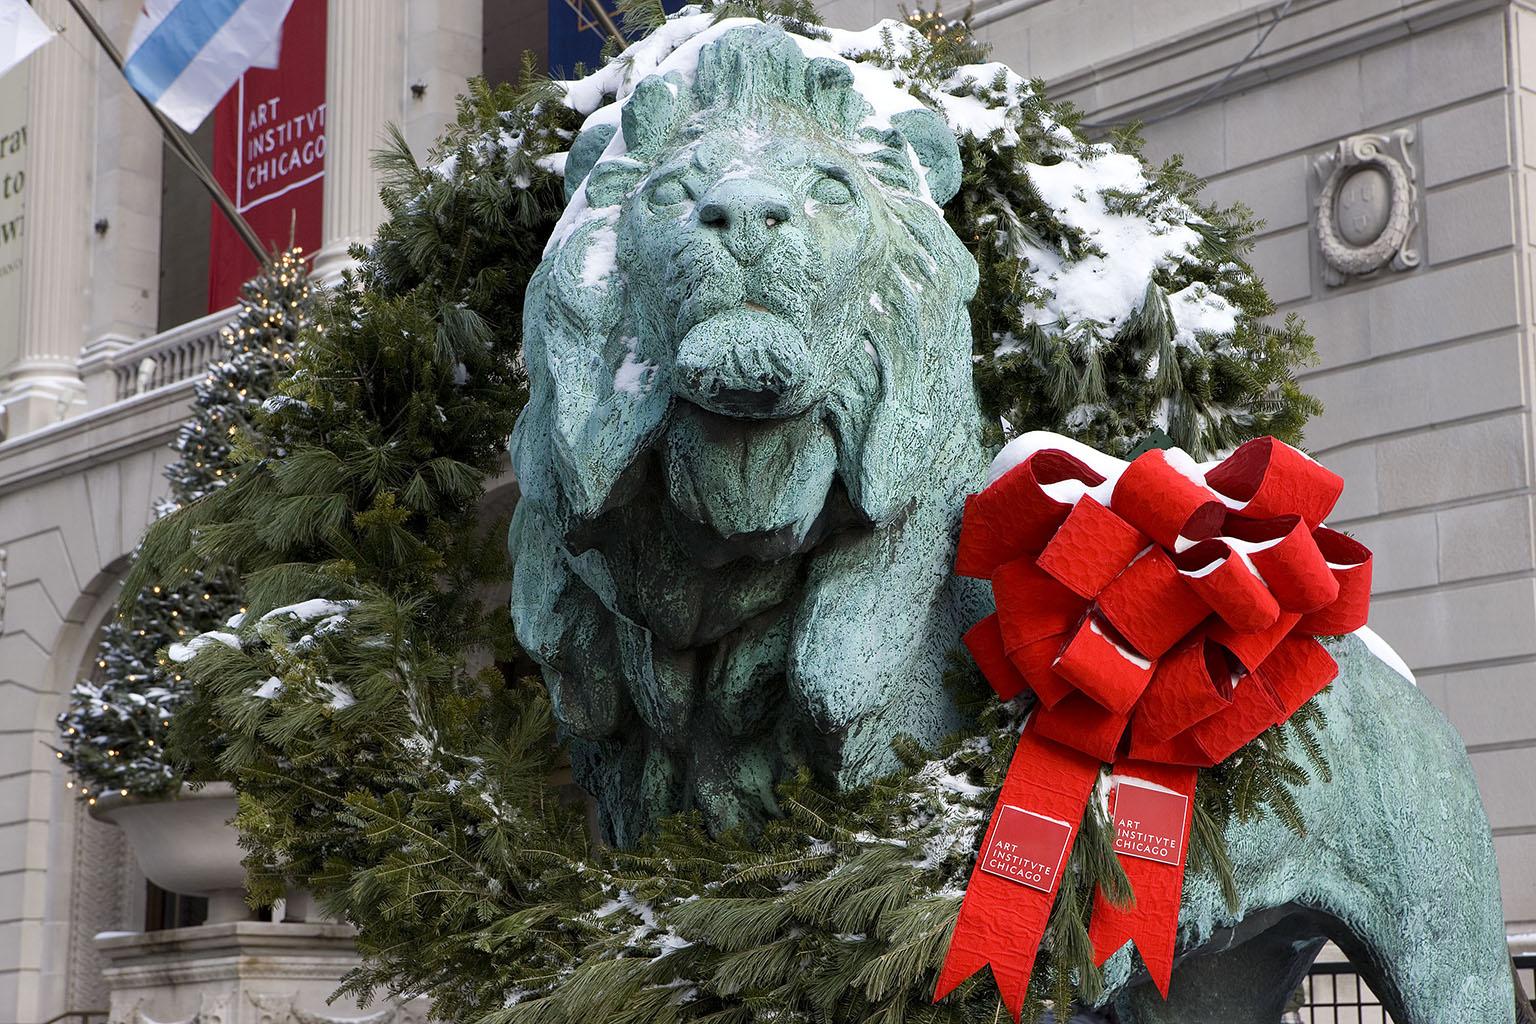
1151	80
234	938
101	435
173	973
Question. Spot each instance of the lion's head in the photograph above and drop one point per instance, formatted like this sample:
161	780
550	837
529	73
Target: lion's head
754	242
750	427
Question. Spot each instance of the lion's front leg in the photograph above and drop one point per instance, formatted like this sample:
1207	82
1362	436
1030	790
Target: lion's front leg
873	634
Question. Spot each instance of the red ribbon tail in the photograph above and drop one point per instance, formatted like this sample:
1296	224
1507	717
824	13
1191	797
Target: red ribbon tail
1152	919
1003	919
959	965
1012	980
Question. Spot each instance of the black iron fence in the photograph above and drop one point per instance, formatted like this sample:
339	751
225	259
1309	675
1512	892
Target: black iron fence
1335	994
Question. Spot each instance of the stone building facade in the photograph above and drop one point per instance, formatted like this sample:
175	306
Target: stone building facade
1426	369
93	385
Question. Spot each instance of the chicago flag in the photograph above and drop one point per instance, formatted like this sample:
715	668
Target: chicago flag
21	32
185	54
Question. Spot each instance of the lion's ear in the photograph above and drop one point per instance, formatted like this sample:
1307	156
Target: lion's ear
611	181
829	88
652	112
589	145
934	144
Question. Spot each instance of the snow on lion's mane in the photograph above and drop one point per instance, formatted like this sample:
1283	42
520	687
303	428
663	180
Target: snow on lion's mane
1104	287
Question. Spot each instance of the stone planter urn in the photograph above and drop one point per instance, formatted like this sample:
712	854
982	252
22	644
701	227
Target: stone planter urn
185	844
232	969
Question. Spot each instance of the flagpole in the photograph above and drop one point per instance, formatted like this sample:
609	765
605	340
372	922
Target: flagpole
608	25
181	145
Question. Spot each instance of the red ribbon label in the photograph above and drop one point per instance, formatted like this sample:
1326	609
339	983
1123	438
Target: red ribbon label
1149	821
1027	848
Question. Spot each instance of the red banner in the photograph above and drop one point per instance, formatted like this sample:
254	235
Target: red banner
269	154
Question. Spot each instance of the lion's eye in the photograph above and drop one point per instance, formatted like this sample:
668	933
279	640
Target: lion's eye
831	192
669	193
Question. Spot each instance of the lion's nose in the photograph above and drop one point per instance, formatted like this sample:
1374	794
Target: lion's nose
746	213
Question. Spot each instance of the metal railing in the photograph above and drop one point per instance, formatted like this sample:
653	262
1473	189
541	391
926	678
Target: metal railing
78	1017
166	358
1336	994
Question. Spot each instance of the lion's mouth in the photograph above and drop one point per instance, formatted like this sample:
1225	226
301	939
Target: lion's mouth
748	362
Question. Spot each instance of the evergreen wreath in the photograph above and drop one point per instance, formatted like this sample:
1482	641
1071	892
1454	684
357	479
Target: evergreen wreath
113	732
394	756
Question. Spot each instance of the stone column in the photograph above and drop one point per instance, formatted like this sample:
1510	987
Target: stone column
43	385
364	91
130	158
444	52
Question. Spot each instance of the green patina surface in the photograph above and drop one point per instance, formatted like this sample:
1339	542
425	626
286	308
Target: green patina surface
743	462
744	457
1397	867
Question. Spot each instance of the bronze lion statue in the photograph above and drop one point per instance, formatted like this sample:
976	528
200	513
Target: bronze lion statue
750	431
749	434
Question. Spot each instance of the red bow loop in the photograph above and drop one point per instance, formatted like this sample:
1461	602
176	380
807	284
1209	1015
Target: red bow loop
1163	503
1090	548
1152	605
985	642
1190	685
1102	668
1015	515
1267	477
1221	578
1350	563
1285	555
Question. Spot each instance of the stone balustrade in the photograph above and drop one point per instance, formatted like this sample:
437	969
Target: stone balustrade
114	371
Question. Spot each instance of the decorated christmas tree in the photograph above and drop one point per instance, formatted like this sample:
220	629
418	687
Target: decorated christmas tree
114	732
393	756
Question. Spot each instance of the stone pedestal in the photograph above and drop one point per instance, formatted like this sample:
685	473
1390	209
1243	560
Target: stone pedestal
241	972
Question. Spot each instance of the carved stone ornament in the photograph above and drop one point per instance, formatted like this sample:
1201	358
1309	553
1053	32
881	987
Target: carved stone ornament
213	1008
274	1008
1367	210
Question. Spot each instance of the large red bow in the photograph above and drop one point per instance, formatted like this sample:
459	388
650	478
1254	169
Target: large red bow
1161	632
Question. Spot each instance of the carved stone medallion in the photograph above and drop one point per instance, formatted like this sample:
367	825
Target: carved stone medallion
1367	208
